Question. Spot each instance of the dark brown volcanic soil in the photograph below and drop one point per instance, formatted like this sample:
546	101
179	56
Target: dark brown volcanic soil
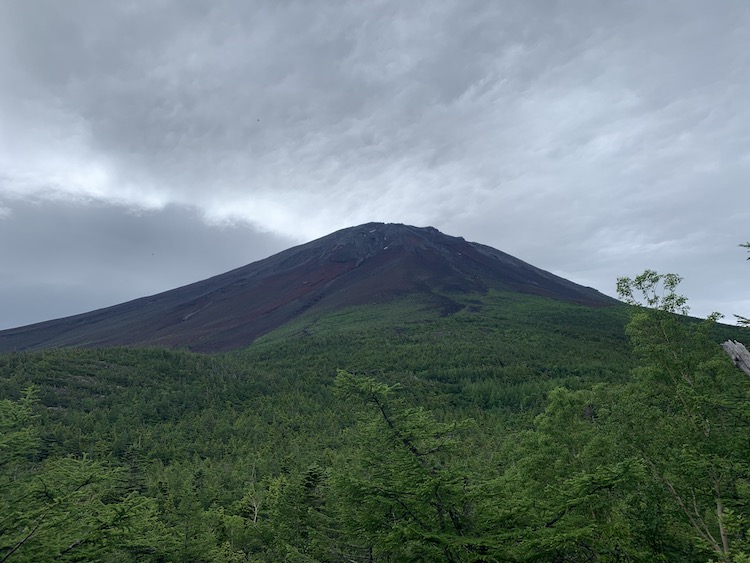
364	264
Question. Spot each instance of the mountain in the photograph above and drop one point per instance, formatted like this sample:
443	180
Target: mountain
369	263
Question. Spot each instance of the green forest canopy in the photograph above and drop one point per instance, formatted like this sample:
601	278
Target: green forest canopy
518	429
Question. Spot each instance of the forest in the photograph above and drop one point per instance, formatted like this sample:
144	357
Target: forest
516	429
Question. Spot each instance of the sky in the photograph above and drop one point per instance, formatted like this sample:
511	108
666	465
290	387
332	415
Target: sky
147	144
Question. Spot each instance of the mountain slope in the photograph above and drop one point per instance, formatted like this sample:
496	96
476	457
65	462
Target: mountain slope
369	263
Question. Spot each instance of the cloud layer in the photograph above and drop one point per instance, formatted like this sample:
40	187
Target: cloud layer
593	139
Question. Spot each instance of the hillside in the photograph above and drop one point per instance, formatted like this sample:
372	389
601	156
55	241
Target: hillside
483	410
201	439
517	414
371	263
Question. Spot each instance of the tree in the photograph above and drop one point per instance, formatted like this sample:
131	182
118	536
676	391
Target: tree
744	321
397	491
66	508
569	491
687	415
653	290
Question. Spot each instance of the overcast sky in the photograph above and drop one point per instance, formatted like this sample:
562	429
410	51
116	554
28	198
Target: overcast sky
146	144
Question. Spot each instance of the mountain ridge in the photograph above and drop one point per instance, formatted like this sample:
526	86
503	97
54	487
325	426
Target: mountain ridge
362	264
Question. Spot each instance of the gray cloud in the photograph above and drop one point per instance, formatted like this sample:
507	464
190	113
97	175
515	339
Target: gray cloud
62	258
590	138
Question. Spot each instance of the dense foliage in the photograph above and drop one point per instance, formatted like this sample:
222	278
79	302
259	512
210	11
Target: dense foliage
513	429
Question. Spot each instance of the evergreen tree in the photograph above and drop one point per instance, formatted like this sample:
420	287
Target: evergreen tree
67	508
400	499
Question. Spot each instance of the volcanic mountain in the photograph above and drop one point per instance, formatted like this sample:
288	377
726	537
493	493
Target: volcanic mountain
365	264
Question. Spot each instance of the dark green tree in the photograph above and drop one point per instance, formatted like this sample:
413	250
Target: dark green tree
67	508
401	496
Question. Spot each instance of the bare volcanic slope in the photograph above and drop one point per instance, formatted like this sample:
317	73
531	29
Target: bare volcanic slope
364	264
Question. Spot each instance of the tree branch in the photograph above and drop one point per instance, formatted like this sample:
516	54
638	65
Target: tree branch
739	355
24	540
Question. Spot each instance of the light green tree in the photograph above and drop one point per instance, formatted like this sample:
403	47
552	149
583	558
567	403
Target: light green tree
687	415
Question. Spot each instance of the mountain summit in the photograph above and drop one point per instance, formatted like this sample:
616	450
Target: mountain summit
365	264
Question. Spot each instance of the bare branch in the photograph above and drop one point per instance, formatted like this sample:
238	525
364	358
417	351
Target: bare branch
739	355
